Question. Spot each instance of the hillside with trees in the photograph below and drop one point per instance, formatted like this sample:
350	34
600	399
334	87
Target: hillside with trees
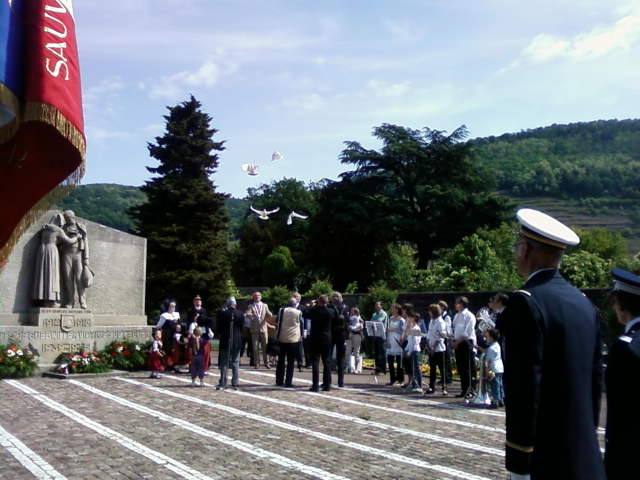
430	210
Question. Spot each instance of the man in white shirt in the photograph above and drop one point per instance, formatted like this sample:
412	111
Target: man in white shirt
464	339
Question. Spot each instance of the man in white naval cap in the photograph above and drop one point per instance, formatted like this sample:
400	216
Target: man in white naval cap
552	357
623	380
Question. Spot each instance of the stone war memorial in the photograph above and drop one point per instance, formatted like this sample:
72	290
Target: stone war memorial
73	284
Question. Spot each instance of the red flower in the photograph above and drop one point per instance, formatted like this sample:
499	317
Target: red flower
74	365
126	353
1	359
114	354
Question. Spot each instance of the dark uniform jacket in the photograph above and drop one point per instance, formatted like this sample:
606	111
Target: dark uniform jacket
322	319
339	330
229	329
623	394
552	381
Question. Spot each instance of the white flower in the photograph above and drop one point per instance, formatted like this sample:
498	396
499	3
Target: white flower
10	353
85	361
137	347
19	353
119	349
76	358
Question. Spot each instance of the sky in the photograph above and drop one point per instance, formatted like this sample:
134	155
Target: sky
302	77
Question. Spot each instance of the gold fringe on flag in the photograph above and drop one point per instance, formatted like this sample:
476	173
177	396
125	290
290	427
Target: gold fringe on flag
10	101
43	112
48	114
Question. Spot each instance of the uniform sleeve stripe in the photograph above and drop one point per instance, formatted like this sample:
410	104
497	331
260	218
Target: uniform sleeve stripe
527	293
521	448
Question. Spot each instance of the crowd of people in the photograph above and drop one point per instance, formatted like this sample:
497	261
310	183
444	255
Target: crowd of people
549	382
327	331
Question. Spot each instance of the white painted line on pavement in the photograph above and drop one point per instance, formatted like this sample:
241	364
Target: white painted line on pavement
423	401
157	457
28	458
276	423
367	423
424	416
226	441
599	430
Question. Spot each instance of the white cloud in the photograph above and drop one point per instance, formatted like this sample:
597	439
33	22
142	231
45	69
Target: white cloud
385	89
177	84
306	102
403	31
97	134
102	97
600	41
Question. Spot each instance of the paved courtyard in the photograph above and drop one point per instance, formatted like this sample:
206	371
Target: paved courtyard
132	427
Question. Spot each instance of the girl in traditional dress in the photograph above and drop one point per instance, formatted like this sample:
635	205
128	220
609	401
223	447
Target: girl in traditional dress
167	323
197	349
155	355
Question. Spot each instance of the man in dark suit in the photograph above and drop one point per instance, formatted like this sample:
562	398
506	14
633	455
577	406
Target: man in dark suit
322	318
623	379
229	329
198	314
339	334
552	378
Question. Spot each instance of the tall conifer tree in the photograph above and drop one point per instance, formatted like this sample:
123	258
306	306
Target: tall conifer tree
184	217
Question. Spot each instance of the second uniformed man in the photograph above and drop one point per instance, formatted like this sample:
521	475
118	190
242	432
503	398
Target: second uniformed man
552	378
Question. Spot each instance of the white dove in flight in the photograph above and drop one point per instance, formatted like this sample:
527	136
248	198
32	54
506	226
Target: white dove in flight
293	215
264	214
250	168
276	156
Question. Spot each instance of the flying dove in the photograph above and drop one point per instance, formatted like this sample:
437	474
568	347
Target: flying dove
264	214
276	156
293	215
250	168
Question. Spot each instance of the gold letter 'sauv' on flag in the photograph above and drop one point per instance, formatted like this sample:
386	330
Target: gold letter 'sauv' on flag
42	143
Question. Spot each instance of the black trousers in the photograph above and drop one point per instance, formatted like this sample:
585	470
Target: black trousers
437	360
290	352
245	343
396	371
463	361
379	354
448	360
306	346
319	352
341	349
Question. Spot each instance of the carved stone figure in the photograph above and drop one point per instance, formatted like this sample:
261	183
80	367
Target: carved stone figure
46	289
76	275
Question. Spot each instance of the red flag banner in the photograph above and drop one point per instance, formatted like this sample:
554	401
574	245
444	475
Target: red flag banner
45	156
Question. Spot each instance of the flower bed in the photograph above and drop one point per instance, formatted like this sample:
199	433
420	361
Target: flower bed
127	355
17	362
81	362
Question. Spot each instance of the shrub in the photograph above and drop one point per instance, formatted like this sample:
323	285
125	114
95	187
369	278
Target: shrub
379	292
351	288
81	362
279	267
319	287
126	355
17	362
276	297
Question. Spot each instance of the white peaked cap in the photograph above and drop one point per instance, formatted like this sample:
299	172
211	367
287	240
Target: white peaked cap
546	229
